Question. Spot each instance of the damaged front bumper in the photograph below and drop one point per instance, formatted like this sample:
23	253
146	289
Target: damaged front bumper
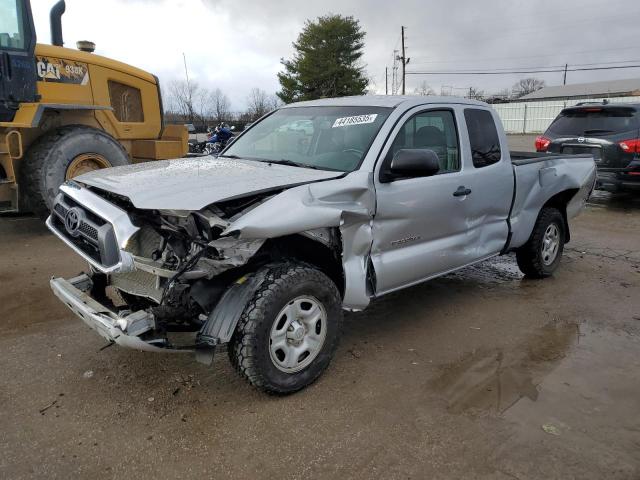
123	330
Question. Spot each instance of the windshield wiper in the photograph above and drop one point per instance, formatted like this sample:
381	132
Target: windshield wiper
284	161
229	156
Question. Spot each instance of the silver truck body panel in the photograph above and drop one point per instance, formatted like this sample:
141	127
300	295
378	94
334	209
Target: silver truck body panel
347	203
194	183
537	182
421	230
392	235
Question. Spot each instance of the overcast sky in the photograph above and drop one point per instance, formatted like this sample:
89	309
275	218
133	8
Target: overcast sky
236	45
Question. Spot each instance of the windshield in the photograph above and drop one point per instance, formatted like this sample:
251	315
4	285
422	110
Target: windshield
329	138
12	31
594	121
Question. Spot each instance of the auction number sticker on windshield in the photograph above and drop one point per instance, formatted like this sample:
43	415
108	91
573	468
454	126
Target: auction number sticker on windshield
355	120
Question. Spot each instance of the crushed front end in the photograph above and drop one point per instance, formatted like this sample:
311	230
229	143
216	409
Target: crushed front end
155	276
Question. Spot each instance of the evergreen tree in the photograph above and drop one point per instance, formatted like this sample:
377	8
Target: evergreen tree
326	62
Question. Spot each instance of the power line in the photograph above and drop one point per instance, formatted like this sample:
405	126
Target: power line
459	58
546	67
495	72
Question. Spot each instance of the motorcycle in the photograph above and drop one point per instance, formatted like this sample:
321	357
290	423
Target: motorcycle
196	146
218	140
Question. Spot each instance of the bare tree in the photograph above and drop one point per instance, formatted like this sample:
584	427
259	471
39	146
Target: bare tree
220	106
274	101
183	98
260	102
527	86
475	93
504	94
204	100
424	89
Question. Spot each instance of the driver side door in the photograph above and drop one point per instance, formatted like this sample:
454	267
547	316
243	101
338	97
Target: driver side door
420	228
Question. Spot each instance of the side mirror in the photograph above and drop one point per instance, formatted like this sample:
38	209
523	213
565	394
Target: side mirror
413	163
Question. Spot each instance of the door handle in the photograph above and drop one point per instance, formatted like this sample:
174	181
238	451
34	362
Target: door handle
462	191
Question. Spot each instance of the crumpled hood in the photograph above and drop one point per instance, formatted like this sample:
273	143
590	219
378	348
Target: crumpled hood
194	183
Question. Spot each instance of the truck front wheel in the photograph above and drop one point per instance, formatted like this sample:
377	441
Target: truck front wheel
289	330
540	256
64	154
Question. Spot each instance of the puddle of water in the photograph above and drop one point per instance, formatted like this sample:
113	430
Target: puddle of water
495	380
614	201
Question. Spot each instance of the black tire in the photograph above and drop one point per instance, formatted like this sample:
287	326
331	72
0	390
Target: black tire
249	349
531	257
45	165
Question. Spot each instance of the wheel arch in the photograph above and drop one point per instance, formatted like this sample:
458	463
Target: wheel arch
321	248
560	201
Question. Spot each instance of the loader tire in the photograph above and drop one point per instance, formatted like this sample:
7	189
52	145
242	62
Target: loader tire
540	256
63	154
289	330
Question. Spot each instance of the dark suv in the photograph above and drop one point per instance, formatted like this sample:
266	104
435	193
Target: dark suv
609	131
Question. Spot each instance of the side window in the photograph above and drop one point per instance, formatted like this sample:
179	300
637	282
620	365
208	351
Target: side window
126	102
483	137
433	130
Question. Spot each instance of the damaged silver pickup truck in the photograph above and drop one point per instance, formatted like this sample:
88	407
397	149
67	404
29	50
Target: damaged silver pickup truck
320	206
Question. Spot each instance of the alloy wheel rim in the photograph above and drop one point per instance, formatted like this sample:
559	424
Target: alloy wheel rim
550	244
298	334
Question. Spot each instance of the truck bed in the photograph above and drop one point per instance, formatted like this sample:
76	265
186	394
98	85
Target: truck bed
540	176
524	158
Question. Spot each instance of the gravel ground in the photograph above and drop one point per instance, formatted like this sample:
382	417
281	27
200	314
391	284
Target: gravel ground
479	374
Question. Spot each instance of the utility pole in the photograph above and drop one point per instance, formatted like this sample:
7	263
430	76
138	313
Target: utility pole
186	74
394	73
404	61
566	65
386	80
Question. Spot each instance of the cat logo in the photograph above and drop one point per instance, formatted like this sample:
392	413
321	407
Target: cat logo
59	70
48	71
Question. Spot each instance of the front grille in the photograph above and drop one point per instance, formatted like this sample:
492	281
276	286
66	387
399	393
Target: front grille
60	209
90	233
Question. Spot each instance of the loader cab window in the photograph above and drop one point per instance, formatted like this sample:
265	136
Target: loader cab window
126	102
14	31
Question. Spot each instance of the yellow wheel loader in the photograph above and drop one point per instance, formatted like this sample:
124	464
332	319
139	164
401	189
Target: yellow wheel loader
64	112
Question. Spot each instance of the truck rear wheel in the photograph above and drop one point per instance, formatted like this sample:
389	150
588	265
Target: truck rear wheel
289	330
540	256
64	154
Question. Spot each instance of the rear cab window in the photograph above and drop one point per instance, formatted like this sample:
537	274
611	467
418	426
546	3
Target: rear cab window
483	137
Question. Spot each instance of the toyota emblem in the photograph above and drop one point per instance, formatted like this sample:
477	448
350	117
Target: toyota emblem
72	221
580	139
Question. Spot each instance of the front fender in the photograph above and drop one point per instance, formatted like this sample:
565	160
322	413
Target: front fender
347	203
